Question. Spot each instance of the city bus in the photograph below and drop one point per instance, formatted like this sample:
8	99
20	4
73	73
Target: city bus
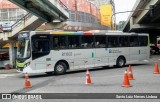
55	52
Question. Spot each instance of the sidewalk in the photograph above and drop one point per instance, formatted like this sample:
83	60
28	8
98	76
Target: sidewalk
7	71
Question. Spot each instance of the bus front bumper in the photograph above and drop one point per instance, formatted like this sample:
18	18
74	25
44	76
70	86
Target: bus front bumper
25	70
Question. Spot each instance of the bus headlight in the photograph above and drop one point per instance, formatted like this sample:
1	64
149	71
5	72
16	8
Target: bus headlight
27	64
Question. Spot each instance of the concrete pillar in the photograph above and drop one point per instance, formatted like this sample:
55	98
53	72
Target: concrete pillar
11	53
131	21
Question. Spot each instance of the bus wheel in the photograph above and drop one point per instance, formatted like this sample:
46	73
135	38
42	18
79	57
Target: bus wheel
60	68
120	62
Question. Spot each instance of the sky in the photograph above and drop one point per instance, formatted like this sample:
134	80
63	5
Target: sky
123	5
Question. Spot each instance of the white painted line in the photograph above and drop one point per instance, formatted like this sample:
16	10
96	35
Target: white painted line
5	75
2	77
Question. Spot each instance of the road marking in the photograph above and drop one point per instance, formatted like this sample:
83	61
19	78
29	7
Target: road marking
2	77
8	75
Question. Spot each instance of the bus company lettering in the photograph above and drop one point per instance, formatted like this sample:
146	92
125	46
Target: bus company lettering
66	53
114	51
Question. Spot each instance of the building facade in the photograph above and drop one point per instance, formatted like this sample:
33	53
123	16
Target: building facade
9	13
107	9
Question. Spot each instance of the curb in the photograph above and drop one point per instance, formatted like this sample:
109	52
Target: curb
8	71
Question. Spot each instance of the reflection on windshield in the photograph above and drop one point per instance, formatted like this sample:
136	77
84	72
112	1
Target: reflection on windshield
23	50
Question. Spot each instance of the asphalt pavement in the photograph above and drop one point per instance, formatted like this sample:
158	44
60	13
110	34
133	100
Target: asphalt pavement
105	81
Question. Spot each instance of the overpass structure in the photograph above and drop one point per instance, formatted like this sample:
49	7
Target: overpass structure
48	10
40	11
141	20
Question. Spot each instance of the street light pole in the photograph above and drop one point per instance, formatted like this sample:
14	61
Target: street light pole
76	8
124	12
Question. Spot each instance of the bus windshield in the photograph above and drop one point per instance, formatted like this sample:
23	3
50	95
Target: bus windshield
23	50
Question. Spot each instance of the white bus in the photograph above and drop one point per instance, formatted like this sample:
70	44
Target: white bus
57	52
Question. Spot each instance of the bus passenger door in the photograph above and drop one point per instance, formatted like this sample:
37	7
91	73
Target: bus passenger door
40	52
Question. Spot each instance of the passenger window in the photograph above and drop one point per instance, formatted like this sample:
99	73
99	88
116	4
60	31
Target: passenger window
143	40
100	41
73	41
87	41
59	42
134	41
123	41
112	41
41	46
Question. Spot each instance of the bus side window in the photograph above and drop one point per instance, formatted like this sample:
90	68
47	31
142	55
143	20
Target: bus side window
55	42
41	46
134	41
73	41
143	40
36	46
112	41
100	41
59	42
87	41
123	41
45	46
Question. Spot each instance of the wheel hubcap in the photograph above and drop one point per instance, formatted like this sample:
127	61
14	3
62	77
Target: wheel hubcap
60	68
121	62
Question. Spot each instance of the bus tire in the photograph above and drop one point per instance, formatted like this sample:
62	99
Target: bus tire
120	61
60	68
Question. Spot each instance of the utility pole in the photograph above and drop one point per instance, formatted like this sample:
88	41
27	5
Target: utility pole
76	10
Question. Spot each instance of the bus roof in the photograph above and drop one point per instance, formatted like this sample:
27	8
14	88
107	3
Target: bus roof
91	32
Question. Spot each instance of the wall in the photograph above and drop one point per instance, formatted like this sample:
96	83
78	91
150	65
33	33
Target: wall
82	6
7	4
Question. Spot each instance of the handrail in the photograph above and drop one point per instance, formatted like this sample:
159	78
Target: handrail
22	20
17	23
29	15
62	5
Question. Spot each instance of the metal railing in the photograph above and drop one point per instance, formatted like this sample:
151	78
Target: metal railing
62	5
22	20
16	24
29	15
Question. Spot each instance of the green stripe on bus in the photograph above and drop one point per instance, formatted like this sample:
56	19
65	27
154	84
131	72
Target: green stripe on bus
148	41
20	64
92	54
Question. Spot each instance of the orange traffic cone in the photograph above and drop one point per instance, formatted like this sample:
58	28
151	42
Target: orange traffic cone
130	74
156	69
27	82
88	79
129	68
126	82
